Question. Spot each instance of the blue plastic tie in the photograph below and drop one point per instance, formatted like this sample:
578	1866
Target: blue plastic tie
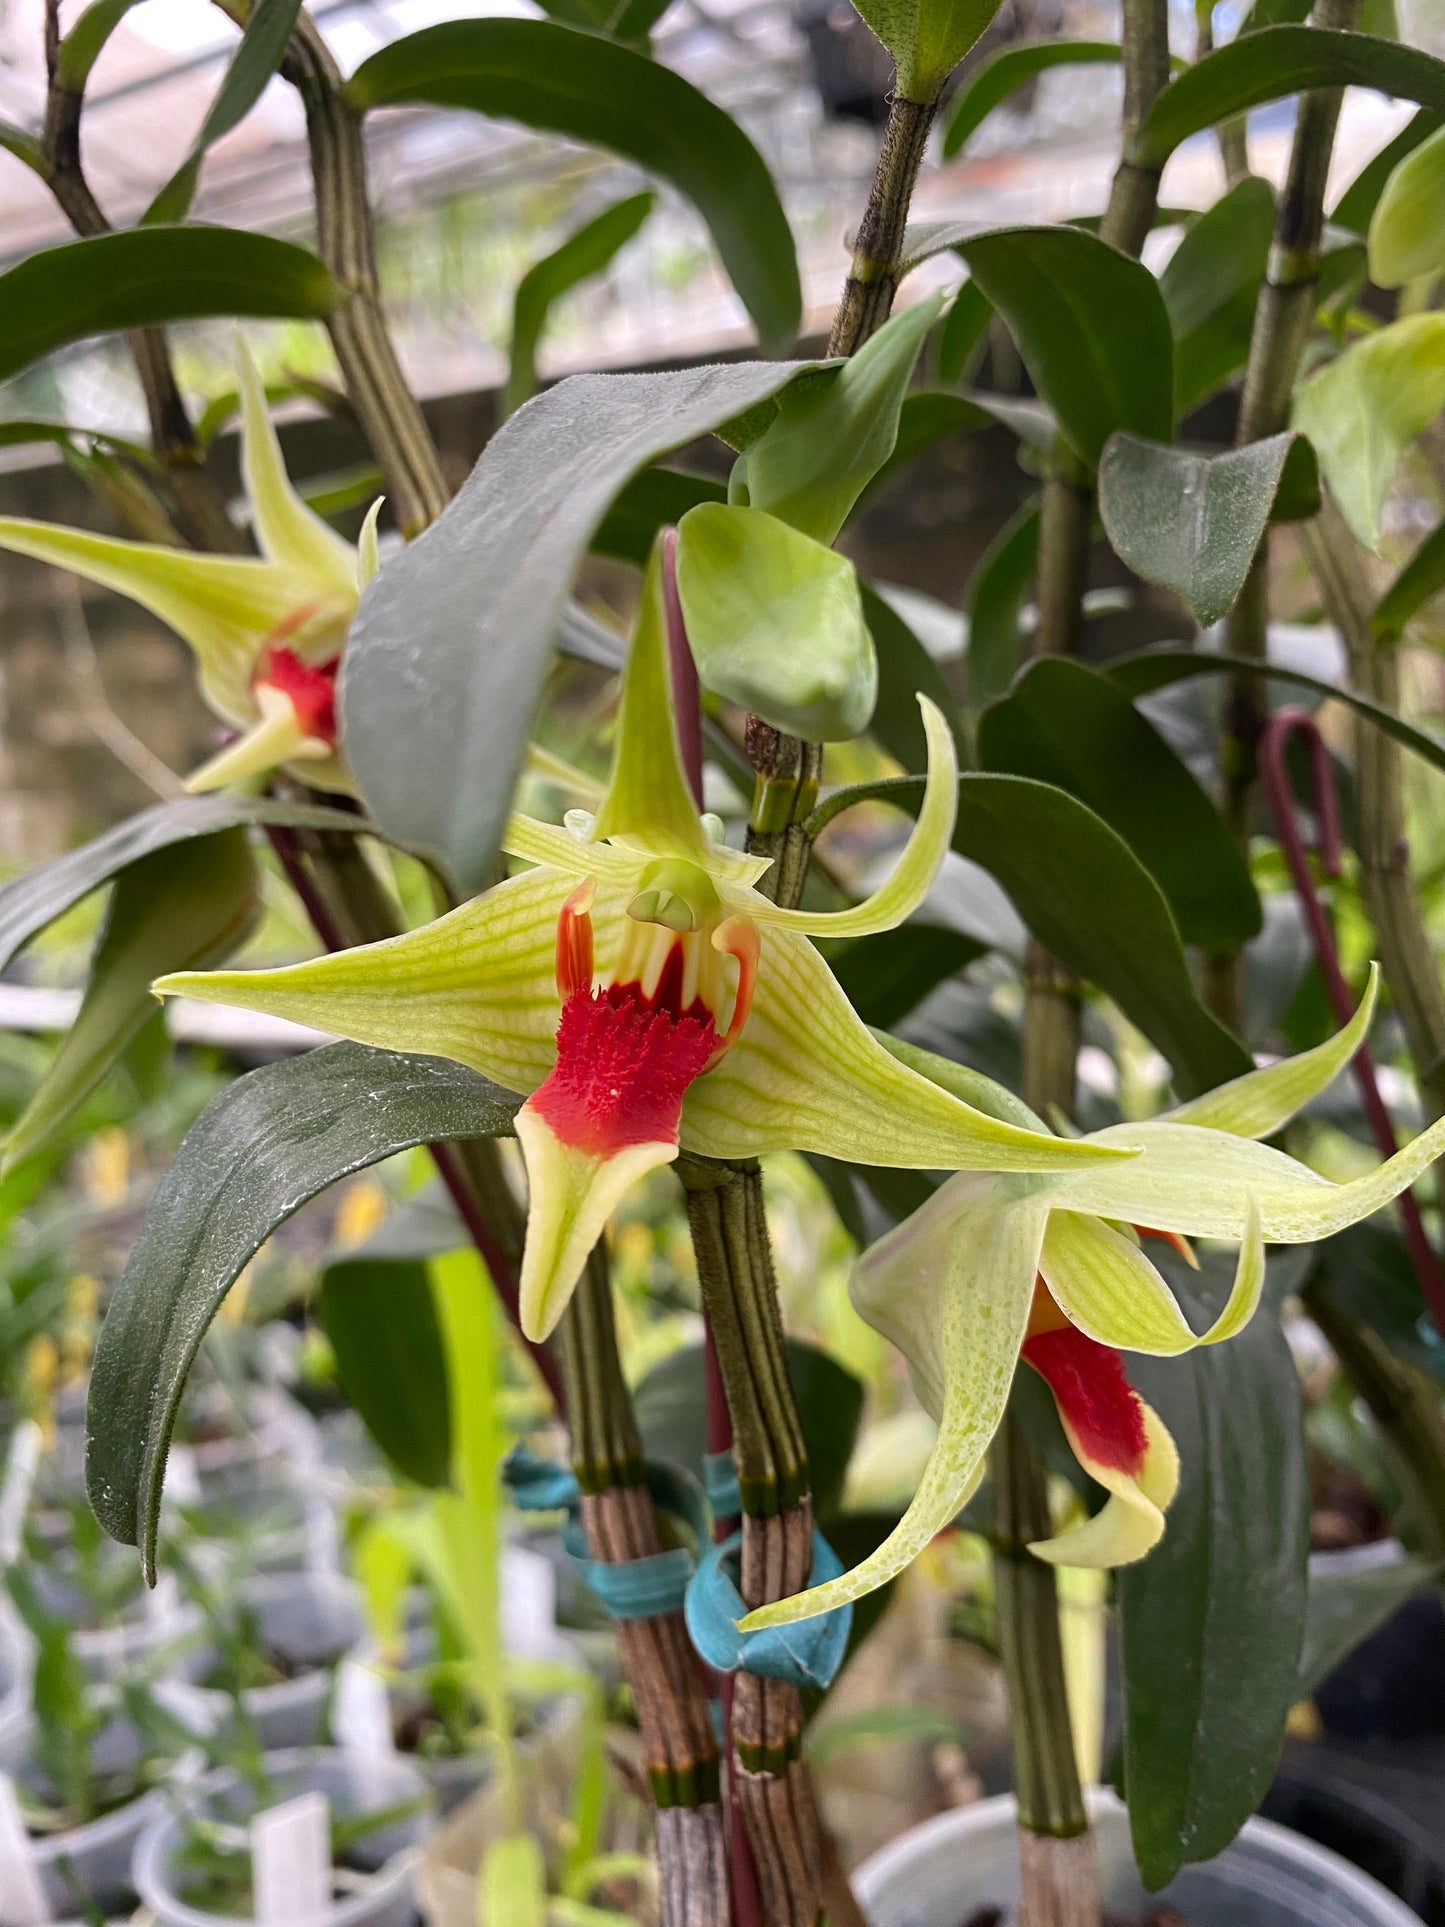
720	1482
1433	1343
807	1653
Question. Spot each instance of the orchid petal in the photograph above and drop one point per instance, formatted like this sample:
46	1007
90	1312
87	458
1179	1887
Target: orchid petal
970	1085
648	796
1131	1522
550	768
368	548
914	871
550	844
224	606
477	986
958	1307
289	533
279	737
1200	1182
807	1074
1259	1103
573	1193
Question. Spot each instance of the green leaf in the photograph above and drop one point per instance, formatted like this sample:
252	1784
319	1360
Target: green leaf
995	596
927	38
382	1323
143	276
480	595
1190	522
1362	411
926	417
1422	577
183	907
775	620
1060	863
587	252
1345	1607
1151	669
36	899
1356	206
883	1726
24	146
649	502
1210	284
1274	63
672	1414
1091	326
260	52
1004	72
1366	1273
1070	726
562	80
1213	1619
905	670
265	1146
80	48
887	976
829	439
963	329
1407	232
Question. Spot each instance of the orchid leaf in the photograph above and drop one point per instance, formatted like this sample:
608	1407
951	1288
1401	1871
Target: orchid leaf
1363	410
649	502
1210	284
1275	63
35	900
81	46
927	38
381	1321
589	251
1345	1608
480	596
1356	206
1190	522
144	276
1006	70
887	976
775	620
1065	724
1091	326
1419	581
995	597
1213	1619
961	336
563	80
182	907
829	439
266	1145
1407	234
905	671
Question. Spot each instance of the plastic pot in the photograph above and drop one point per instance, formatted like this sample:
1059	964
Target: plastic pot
939	1873
137	1632
354	1784
311	1620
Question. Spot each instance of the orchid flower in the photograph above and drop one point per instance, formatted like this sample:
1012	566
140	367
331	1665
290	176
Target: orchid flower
267	631
645	995
1049	1268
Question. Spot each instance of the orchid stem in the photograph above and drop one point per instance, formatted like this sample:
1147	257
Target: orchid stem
878	248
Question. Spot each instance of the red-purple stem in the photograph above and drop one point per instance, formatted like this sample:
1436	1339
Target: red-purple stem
1274	742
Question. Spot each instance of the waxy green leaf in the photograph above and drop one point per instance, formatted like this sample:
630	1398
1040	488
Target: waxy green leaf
994	602
381	1319
1091	326
649	502
1191	522
1422	578
1005	71
183	907
80	48
1271	65
905	671
263	46
1344	1608
478	599
265	1146
36	899
775	621
1407	231
1356	206
887	976
960	339
145	276
829	439
1213	1619
927	38
1362	411
1068	725
587	252
1210	284
562	80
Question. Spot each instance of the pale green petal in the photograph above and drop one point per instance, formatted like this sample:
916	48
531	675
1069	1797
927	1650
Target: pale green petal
648	796
807	1074
1200	1183
1248	1287
563	775
1261	1102
959	1306
477	986
972	1086
277	738
288	532
368	547
1131	1522
1103	1283
572	1197
916	868
549	843
224	606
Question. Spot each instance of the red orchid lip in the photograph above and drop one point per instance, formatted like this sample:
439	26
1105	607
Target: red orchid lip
309	688
1101	1408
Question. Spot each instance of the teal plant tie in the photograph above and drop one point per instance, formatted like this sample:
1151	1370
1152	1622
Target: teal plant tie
807	1653
720	1482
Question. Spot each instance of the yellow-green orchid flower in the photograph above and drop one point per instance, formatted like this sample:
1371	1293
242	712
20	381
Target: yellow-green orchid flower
1050	1268
644	994
267	631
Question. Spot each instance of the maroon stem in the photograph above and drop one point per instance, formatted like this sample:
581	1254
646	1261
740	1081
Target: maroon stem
1274	742
504	1280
